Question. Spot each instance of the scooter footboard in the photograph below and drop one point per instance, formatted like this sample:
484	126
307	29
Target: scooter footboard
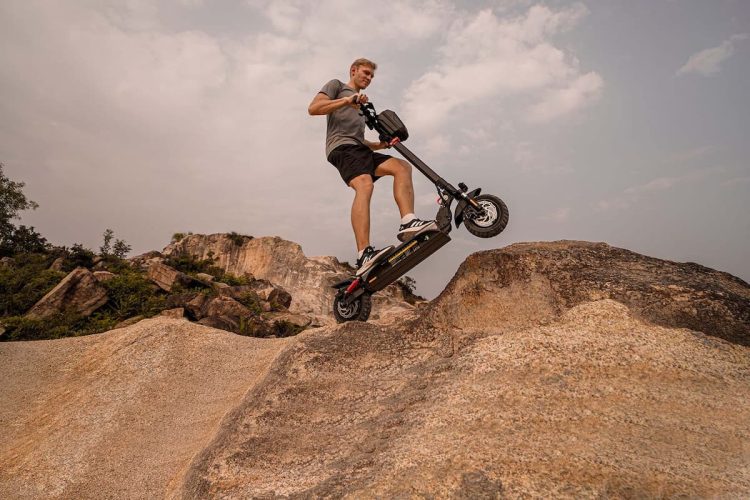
404	259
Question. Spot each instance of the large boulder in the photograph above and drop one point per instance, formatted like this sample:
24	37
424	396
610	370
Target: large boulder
79	292
263	289
167	277
228	314
145	260
526	283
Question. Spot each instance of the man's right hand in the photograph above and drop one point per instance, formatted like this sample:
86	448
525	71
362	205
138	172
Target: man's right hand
357	99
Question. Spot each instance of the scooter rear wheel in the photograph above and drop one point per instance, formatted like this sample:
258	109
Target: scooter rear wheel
491	222
358	310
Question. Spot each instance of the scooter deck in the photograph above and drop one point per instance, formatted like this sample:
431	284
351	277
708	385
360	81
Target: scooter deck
403	258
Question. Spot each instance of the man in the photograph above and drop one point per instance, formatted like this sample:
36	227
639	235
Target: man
358	163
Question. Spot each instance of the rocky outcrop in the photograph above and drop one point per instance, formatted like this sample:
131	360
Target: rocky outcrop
166	277
265	315
526	283
118	415
307	279
594	404
78	293
542	371
145	260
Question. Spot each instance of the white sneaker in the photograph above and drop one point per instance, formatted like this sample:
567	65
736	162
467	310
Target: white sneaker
413	227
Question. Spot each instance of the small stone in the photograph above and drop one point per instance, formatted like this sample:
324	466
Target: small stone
177	312
103	276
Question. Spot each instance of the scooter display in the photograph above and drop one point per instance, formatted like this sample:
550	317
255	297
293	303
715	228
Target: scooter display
484	215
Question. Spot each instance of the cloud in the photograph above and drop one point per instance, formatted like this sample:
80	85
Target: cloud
559	101
634	194
558	215
708	62
486	60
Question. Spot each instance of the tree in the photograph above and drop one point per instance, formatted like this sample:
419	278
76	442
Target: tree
121	249
106	248
12	201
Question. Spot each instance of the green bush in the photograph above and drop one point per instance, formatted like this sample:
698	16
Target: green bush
233	280
132	294
78	256
53	327
238	239
23	239
22	285
190	265
251	300
286	329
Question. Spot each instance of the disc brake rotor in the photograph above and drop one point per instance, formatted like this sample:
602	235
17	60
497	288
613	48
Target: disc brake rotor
487	218
347	311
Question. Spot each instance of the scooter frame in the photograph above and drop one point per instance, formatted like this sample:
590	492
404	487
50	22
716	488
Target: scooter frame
401	259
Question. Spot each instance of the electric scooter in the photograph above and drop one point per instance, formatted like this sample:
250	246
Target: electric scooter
484	215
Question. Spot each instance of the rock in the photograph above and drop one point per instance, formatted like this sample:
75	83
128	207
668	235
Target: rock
307	279
226	306
295	319
118	415
272	294
523	380
205	277
177	312
144	261
555	411
103	276
57	265
128	322
195	307
228	314
7	262
180	299
79	292
528	283
166	277
263	289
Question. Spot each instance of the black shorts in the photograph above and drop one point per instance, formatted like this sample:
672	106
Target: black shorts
356	159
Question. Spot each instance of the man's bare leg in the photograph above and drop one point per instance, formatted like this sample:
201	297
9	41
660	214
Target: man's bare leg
403	187
363	186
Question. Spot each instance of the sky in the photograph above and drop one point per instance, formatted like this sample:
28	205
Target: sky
622	121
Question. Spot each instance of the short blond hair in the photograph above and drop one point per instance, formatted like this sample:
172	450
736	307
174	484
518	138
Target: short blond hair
362	62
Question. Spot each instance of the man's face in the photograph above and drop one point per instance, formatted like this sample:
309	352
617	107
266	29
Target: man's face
362	76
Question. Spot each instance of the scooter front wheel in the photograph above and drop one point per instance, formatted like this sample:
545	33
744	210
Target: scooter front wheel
491	221
357	310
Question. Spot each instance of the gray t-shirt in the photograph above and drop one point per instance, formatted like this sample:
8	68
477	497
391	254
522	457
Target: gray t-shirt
345	125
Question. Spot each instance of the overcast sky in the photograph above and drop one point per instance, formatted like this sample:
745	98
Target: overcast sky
612	120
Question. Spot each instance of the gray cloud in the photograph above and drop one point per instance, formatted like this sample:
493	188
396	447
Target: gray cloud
708	62
154	116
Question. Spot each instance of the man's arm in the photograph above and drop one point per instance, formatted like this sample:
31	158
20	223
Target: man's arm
324	105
